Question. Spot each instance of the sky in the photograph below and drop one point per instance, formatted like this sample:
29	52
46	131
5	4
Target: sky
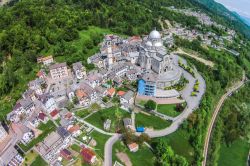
242	7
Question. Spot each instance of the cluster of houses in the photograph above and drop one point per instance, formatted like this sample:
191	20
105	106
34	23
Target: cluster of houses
47	96
207	38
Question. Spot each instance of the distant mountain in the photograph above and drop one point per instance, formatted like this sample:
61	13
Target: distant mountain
246	20
218	11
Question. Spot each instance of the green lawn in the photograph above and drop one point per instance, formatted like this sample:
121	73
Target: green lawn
234	155
115	115
39	162
82	113
150	121
29	158
168	109
101	139
143	157
46	130
76	148
179	143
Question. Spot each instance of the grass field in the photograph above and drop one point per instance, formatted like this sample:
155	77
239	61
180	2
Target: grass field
76	148
46	130
39	162
179	143
112	113
234	155
143	157
29	158
168	109
82	113
150	121
101	139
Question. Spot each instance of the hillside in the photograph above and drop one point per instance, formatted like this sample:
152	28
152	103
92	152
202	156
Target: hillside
220	13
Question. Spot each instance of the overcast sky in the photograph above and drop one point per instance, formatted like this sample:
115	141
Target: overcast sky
242	7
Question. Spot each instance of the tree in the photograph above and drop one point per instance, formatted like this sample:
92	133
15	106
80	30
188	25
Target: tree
150	105
95	107
143	138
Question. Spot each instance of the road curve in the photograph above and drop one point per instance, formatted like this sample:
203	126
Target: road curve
215	113
108	149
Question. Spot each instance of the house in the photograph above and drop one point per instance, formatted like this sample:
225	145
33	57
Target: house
107	124
127	122
88	155
50	147
82	97
120	93
66	154
117	81
29	94
27	137
55	114
48	102
70	94
111	92
132	75
133	147
79	70
89	91
45	60
41	74
58	71
22	107
43	118
127	98
94	79
101	91
33	119
74	130
37	85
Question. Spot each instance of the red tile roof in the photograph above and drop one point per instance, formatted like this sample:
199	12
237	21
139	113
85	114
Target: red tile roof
54	113
87	154
74	128
111	91
120	93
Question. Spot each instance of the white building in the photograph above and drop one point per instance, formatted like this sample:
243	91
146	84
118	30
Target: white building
58	71
46	60
79	70
48	102
127	98
27	137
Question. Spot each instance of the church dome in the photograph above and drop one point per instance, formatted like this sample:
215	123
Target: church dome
154	35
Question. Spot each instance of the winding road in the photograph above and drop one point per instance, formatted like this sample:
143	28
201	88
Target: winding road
192	104
234	88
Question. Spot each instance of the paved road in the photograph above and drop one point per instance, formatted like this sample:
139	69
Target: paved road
235	87
108	149
192	103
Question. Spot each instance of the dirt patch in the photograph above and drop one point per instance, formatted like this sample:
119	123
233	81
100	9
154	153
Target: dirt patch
124	158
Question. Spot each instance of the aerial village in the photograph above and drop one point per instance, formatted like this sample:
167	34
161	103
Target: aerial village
55	114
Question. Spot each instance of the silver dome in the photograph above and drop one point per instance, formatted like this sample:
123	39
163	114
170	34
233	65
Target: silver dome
155	35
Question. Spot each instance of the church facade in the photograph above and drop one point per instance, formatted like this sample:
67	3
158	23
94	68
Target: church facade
153	55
